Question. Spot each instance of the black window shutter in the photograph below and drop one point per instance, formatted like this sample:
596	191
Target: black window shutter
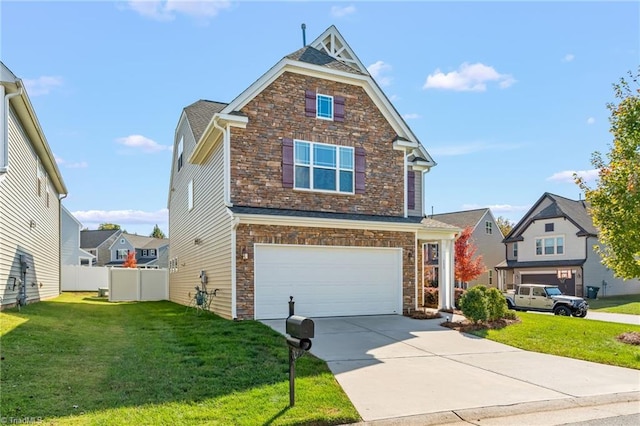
338	108
411	190
287	163
360	169
310	103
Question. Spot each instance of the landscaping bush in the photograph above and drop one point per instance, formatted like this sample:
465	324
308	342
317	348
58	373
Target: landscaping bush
431	296
496	304
474	304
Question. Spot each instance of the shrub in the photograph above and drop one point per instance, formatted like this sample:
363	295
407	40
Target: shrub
431	296
474	304
496	304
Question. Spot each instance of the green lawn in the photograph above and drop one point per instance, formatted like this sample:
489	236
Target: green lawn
617	304
570	337
81	360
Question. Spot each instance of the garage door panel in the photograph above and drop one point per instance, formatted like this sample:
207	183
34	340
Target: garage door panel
326	281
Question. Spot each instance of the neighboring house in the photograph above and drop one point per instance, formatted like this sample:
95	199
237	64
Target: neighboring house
554	244
98	243
150	252
486	236
71	253
30	189
308	184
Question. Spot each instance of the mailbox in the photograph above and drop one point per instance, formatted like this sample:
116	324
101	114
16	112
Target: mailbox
300	327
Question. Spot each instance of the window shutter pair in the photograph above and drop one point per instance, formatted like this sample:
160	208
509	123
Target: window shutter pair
288	166
411	190
310	105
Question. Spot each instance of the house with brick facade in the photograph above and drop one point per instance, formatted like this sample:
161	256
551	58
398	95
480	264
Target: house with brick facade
308	184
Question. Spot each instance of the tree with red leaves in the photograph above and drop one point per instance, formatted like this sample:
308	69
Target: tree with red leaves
467	268
130	262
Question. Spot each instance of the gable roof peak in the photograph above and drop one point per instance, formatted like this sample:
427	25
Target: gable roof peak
333	44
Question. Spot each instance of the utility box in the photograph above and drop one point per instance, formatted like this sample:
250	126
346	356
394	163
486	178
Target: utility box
300	327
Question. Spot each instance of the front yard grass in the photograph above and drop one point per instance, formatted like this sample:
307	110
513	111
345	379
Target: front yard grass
78	359
569	337
629	304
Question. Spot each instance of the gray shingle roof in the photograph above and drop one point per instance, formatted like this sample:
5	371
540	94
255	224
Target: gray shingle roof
313	56
462	219
200	113
142	242
539	264
91	239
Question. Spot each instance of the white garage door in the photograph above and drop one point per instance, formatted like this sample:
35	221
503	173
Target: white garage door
327	281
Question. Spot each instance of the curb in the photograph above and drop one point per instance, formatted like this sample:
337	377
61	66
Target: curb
547	412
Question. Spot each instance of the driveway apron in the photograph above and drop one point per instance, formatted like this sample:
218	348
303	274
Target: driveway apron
394	366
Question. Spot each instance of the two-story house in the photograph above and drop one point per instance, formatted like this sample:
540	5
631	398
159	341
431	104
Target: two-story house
486	236
30	189
98	243
71	253
554	244
308	184
150	252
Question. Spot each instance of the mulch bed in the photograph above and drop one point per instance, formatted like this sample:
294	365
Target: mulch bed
466	325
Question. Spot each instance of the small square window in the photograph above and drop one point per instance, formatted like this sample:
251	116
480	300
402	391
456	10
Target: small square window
324	107
548	227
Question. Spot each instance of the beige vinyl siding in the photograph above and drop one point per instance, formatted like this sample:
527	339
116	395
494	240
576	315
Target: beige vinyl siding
20	206
417	211
208	222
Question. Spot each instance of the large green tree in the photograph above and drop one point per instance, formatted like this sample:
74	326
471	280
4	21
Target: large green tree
615	200
108	226
157	232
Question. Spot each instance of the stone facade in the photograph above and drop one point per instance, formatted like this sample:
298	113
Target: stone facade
279	112
248	235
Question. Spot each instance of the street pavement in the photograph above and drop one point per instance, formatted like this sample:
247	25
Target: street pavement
401	371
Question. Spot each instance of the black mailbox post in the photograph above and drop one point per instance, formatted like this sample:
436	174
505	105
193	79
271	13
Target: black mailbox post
300	331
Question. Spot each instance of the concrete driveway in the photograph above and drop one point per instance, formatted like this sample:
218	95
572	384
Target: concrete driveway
394	366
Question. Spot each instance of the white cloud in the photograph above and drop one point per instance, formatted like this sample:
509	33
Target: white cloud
568	57
450	150
93	218
77	165
166	10
341	12
377	71
143	143
42	85
591	120
566	176
411	116
468	78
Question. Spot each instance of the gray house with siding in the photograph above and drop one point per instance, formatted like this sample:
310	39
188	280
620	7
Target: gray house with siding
150	252
71	253
98	243
554	244
487	237
30	190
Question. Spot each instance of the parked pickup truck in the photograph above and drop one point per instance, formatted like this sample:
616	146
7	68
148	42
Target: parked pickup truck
545	298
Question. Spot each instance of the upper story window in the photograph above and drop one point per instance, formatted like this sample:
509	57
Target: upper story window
180	152
122	241
152	252
323	167
548	227
549	246
515	249
42	178
145	253
324	106
488	228
190	195
122	253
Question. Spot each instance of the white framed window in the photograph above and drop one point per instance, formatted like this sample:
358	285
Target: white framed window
190	195
180	151
152	252
122	253
122	241
488	228
490	277
145	253
549	246
322	167
324	106
515	249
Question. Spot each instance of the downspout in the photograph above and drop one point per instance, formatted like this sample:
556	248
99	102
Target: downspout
62	197
4	155
406	186
235	221
226	161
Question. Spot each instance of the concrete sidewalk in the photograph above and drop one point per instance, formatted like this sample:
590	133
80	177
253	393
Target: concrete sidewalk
394	367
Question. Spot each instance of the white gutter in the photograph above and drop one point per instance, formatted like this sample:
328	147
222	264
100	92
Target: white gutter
4	111
226	148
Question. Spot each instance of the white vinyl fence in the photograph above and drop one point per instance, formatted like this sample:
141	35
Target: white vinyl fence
124	284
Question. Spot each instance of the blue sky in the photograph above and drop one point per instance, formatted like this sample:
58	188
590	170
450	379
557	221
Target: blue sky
509	98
